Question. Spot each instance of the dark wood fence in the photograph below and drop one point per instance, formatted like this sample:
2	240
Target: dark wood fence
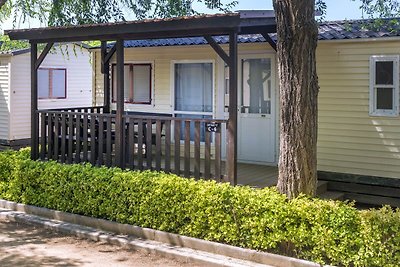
185	146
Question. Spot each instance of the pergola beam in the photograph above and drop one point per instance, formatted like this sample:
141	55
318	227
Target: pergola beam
105	70
218	49
110	54
269	40
232	109
119	125
34	103
42	56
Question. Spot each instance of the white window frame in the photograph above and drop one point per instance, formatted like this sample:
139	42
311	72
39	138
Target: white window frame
172	99
373	111
172	75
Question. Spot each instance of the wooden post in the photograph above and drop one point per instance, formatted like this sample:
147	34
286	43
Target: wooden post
119	123
105	67
232	109
34	104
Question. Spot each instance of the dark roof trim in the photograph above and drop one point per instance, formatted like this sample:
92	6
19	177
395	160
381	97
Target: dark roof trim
328	31
220	24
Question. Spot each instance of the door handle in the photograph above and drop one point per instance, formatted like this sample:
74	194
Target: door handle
263	115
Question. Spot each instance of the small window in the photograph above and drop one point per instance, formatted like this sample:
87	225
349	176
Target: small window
137	83
52	83
384	85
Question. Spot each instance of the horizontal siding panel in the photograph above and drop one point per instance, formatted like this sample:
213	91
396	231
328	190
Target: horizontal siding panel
4	98
387	149
336	153
357	168
361	127
358	140
332	166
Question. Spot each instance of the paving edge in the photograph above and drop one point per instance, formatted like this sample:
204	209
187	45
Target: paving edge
153	241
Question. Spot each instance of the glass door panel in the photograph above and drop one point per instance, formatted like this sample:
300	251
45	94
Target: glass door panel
256	86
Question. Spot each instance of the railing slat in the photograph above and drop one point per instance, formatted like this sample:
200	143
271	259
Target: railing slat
108	142
140	144
63	136
158	144
167	167
100	140
197	150
43	136
50	140
93	139
131	143
187	149
218	156
85	130
207	156
71	137
56	136
79	134
149	137
177	147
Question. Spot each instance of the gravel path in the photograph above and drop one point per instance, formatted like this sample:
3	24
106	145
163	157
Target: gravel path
25	245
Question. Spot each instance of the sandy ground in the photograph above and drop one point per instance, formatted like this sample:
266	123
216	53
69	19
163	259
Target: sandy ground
25	245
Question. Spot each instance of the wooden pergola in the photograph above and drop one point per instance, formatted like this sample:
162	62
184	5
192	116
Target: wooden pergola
207	26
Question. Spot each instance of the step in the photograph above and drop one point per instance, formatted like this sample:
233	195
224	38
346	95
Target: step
322	187
334	195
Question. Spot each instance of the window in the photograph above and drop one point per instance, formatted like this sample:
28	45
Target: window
384	85
137	83
194	92
52	83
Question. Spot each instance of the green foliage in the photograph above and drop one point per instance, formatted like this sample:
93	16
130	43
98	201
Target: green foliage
328	232
8	45
71	12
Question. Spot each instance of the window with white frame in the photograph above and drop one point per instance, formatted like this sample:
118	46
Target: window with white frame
384	86
193	92
137	83
52	83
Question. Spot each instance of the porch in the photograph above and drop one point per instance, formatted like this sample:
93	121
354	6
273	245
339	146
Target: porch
187	146
184	146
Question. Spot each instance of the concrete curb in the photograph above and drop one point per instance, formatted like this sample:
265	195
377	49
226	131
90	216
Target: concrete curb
153	241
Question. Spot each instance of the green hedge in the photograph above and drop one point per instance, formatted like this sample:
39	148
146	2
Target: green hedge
329	232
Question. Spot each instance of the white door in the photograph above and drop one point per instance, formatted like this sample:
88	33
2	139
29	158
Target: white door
256	118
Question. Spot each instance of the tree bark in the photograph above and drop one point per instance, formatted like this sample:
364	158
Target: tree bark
297	34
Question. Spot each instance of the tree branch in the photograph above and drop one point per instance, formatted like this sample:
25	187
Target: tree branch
2	3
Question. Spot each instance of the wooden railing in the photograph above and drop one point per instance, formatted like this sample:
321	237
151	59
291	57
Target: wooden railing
98	109
185	146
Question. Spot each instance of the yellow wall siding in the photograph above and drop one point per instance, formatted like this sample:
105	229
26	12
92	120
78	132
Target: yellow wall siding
4	97
349	140
162	58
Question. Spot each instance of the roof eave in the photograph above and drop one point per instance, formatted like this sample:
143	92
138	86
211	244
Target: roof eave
135	30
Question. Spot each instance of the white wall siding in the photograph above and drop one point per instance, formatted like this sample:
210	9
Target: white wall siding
79	85
4	97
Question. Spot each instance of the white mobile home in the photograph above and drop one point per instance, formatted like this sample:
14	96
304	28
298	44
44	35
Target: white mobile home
65	80
165	88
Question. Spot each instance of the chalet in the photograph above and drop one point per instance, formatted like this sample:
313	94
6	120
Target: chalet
65	80
198	96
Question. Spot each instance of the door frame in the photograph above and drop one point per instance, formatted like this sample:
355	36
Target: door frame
220	97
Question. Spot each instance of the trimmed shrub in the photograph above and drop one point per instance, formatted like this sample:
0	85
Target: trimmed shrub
327	232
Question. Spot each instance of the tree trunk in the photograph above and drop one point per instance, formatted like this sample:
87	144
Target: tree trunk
297	34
